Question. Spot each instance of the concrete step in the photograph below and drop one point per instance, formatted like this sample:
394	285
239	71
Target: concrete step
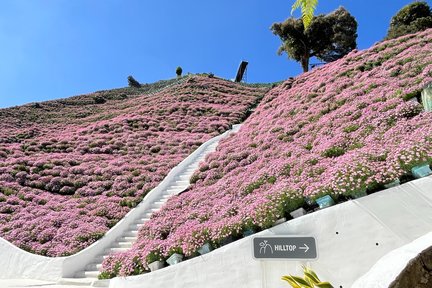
127	239
134	226
158	204
82	275
93	267
140	221
101	258
184	176
172	191
91	274
115	250
124	244
81	281
101	283
131	233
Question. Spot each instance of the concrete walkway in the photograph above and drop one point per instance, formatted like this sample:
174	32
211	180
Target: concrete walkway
28	283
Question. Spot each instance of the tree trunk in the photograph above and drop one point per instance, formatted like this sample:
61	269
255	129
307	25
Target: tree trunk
305	63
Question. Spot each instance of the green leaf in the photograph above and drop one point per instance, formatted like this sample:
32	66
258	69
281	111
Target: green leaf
314	274
302	282
308	8
313	278
291	281
296	5
324	285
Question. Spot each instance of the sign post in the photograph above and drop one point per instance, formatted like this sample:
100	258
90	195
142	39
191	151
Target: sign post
284	247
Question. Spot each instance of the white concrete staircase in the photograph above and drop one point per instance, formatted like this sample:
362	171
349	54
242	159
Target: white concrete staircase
89	276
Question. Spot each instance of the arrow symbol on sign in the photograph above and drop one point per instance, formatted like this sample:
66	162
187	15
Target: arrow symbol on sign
306	248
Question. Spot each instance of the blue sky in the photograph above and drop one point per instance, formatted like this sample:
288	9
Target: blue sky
58	48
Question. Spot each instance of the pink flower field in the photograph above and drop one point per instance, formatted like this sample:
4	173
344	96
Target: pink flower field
344	128
70	169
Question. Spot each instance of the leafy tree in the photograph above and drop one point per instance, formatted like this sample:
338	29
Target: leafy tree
329	37
412	18
307	9
179	71
132	82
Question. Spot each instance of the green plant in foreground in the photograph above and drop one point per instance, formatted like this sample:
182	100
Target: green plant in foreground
310	280
308	8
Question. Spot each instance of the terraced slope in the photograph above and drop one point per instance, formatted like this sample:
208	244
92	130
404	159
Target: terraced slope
342	129
72	168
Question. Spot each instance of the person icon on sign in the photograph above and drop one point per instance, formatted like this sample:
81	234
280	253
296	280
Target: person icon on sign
264	245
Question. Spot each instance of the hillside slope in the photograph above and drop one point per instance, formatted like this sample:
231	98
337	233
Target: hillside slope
340	129
72	168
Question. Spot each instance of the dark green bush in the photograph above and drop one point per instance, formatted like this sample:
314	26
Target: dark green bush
99	99
333	152
412	18
413	94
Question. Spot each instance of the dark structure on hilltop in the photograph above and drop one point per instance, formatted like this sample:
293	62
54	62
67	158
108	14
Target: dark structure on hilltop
241	72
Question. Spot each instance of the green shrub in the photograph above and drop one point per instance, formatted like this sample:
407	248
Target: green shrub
153	256
109	275
155	149
99	99
333	152
179	71
351	128
7	191
413	94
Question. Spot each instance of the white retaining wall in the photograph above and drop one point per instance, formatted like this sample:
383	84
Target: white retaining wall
351	237
385	271
17	263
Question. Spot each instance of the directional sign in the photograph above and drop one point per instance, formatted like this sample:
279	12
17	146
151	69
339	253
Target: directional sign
278	247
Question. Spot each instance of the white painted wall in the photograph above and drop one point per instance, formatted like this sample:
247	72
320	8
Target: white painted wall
17	263
391	219
385	271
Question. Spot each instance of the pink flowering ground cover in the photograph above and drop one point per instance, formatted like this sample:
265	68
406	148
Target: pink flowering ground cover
72	168
340	129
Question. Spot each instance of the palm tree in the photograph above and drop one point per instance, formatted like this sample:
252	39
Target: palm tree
307	9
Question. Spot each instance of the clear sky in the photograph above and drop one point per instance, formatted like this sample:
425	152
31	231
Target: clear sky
58	48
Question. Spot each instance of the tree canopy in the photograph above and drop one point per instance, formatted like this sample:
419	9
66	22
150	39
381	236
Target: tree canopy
179	71
328	38
412	18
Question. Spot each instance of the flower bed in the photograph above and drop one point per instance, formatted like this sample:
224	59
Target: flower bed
338	130
70	169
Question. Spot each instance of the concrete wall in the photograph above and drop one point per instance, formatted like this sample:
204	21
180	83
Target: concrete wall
351	237
17	263
399	267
